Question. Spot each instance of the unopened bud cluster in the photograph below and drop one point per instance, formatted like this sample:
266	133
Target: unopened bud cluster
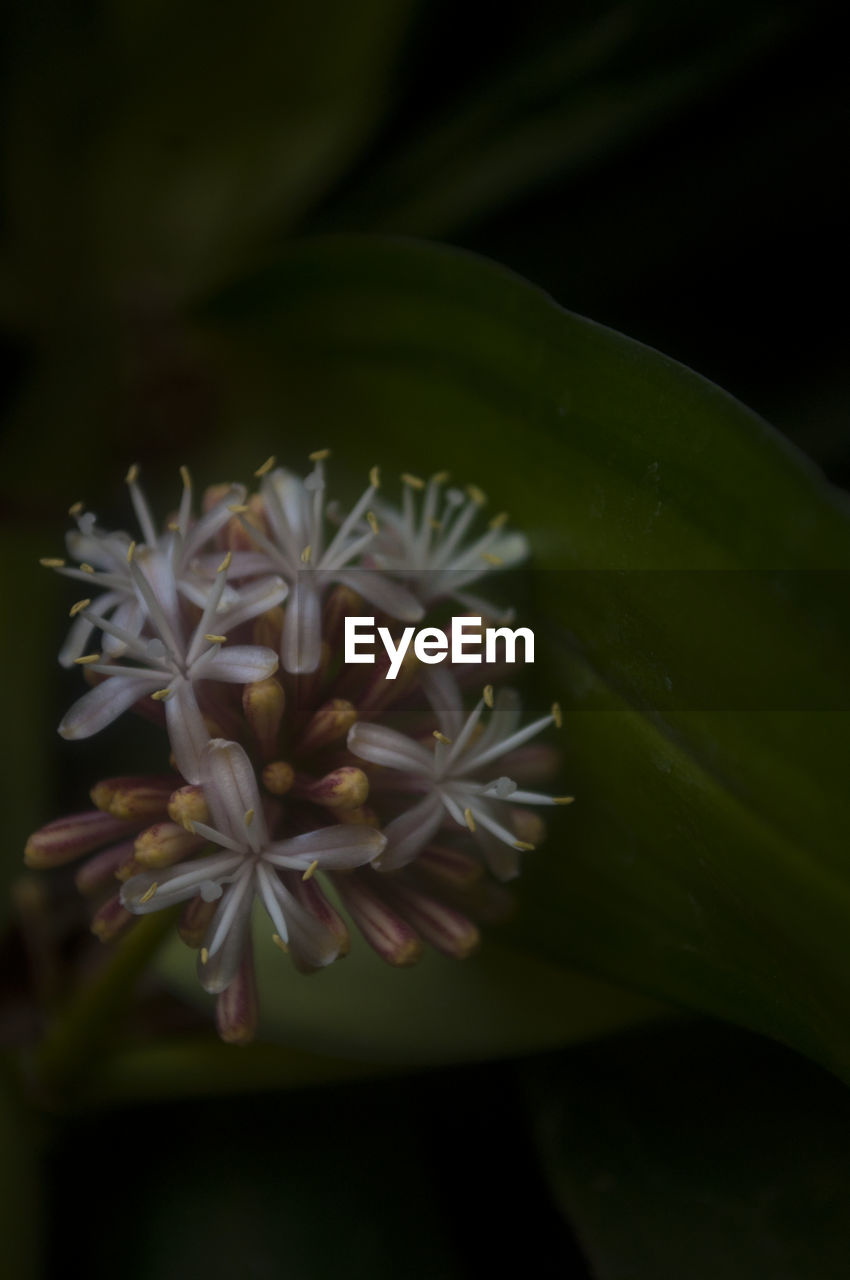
290	777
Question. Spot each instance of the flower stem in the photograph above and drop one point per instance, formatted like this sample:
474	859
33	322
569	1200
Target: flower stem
89	1019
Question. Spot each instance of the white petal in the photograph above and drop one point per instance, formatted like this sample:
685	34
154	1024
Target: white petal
229	929
253	599
408	834
385	594
301	646
379	745
177	883
186	729
334	848
105	703
230	788
237	664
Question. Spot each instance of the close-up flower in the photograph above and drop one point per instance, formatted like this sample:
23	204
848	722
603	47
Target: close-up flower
424	526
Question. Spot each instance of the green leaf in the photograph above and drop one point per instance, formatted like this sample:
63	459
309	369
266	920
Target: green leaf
697	1152
150	145
705	859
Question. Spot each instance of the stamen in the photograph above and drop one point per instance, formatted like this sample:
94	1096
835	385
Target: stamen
185	477
249	817
499	521
239	508
308	874
146	897
50	562
319	455
470	821
477	495
76	509
78	608
279	942
225	564
132	474
413	481
557	715
86	568
488	695
441	477
88	657
441	737
523	846
372	520
563	799
131	551
161	695
174	526
266	467
435	524
375	477
306	553
491	559
215	639
205	955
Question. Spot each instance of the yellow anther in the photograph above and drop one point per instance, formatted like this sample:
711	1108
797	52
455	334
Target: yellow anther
477	495
78	608
441	737
238	508
174	526
499	521
488	695
76	509
87	568
131	551
306	553
319	455
215	639
87	657
435	524
266	467
279	942
309	873
132	474
146	897
557	715
205	955
524	846
563	799
50	562
375	477
441	477
470	821
225	564
185	477
372	521
491	559
249	817
189	825
160	695
414	481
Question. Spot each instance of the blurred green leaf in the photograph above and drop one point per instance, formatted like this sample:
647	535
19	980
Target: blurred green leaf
499	1002
705	860
697	1153
584	86
148	146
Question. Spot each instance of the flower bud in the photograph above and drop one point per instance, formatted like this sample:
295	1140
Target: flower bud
101	870
68	838
110	920
440	925
135	798
345	788
330	723
237	1007
164	844
450	867
310	895
278	777
385	931
268	629
187	804
195	921
263	704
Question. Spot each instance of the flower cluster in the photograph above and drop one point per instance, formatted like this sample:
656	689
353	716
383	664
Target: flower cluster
295	780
